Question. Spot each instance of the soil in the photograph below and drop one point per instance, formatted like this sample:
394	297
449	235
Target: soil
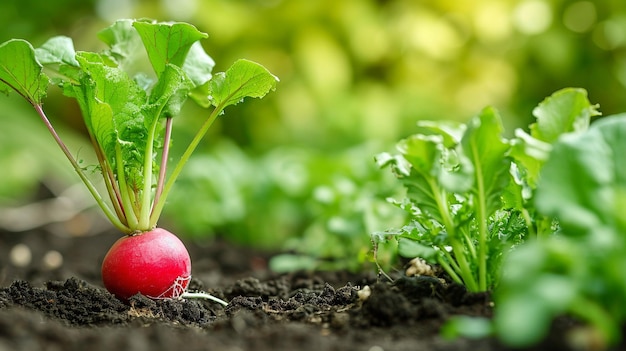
48	304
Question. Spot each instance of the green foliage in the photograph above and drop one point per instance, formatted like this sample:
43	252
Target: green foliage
20	71
581	270
128	113
316	207
469	191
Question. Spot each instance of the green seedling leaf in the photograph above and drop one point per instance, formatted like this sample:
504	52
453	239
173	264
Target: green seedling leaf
579	270
567	110
540	281
454	171
451	131
531	154
584	181
483	145
243	79
468	327
288	262
168	43
20	71
423	153
56	51
522	320
411	248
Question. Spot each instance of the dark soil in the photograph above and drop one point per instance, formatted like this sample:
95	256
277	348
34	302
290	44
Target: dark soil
51	307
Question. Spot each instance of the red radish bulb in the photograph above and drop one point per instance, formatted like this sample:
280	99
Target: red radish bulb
154	263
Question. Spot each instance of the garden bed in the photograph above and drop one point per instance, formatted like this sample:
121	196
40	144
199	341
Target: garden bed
43	306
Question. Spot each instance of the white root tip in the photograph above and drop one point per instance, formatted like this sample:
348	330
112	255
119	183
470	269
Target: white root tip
203	295
178	290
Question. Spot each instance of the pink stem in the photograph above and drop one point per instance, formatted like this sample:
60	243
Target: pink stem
164	156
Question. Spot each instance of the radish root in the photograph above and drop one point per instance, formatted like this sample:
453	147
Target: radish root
178	291
203	295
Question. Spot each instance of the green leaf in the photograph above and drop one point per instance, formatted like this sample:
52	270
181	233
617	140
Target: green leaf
106	84
540	280
423	153
199	65
483	145
56	51
243	79
167	43
567	110
531	154
453	171
408	247
584	181
451	131
467	326
20	71
522	320
456	173
123	40
289	263
122	104
171	91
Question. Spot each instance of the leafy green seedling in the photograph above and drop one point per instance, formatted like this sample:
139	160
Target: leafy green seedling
469	191
580	271
128	114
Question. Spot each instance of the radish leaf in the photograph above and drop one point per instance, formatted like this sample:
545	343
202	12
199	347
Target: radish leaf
104	84
57	50
171	91
243	79
167	43
127	49
20	71
126	110
198	65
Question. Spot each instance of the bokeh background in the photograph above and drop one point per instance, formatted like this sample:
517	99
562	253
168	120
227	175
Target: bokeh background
295	171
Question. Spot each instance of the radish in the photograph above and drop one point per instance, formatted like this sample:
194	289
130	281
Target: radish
155	264
128	117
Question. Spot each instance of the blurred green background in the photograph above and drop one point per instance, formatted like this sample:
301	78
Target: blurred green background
295	170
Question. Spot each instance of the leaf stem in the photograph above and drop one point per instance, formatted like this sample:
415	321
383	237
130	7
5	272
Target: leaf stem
92	189
109	180
456	243
158	207
450	266
146	193
131	216
164	157
482	222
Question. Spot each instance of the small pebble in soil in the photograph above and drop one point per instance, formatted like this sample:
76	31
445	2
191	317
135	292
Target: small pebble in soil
419	266
364	293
